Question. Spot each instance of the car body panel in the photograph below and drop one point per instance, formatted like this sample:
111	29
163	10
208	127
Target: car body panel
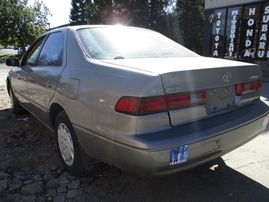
42	84
19	82
175	64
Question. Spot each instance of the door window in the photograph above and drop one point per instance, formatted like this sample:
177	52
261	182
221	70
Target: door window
32	57
51	53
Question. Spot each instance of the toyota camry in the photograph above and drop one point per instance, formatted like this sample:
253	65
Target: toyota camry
135	99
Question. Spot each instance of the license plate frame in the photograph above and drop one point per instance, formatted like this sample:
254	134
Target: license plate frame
218	99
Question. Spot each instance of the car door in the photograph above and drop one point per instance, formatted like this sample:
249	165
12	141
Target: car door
20	74
19	84
43	76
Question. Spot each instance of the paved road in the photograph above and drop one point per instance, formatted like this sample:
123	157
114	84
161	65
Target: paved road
242	175
4	51
3	73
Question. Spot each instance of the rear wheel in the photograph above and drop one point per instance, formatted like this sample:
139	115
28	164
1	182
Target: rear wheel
68	146
15	105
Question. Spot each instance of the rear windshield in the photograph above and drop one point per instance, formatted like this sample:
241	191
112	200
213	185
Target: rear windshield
129	43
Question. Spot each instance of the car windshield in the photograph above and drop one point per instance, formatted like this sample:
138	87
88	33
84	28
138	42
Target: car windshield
129	43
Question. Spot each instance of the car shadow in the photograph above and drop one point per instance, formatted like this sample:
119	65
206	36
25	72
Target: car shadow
199	184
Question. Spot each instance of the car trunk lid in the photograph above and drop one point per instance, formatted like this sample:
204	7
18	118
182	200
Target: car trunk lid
192	77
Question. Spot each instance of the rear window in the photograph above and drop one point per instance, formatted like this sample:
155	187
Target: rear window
129	43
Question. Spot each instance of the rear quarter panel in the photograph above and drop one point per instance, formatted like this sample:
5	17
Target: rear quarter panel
99	89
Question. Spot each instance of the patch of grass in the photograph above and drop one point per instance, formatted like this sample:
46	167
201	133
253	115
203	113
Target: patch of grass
4	57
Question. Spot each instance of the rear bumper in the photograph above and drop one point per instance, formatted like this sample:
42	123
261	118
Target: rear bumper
205	140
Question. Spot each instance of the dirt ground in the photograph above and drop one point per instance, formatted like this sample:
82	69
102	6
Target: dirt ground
26	139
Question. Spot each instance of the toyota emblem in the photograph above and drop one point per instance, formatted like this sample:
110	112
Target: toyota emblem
227	77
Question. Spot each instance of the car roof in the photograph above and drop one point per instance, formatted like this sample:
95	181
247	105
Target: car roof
77	27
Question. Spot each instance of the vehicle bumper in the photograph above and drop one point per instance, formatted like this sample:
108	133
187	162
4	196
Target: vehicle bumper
205	140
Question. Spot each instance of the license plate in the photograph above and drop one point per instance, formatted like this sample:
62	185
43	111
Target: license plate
218	99
179	155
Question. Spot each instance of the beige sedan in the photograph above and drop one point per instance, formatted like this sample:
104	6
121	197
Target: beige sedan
135	99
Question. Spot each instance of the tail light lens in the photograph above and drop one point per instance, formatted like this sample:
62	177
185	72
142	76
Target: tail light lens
150	105
244	88
141	106
186	100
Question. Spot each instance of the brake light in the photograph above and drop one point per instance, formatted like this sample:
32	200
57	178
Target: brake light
141	106
244	88
150	105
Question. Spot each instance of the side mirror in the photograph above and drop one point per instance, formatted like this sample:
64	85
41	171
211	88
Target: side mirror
12	62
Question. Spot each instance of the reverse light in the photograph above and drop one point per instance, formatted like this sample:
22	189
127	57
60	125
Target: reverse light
186	100
244	88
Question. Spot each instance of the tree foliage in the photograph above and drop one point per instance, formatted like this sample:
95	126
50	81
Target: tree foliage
21	24
77	13
176	19
190	14
96	10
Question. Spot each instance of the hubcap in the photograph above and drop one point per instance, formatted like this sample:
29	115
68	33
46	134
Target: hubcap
66	144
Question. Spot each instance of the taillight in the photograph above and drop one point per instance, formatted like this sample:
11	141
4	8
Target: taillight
150	105
244	88
141	106
186	100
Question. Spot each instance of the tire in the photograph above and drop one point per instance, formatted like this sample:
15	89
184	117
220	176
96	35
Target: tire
17	109
69	148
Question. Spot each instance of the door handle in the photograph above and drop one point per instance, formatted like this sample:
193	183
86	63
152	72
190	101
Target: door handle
49	84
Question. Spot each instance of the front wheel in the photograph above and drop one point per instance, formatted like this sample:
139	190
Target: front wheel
68	146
